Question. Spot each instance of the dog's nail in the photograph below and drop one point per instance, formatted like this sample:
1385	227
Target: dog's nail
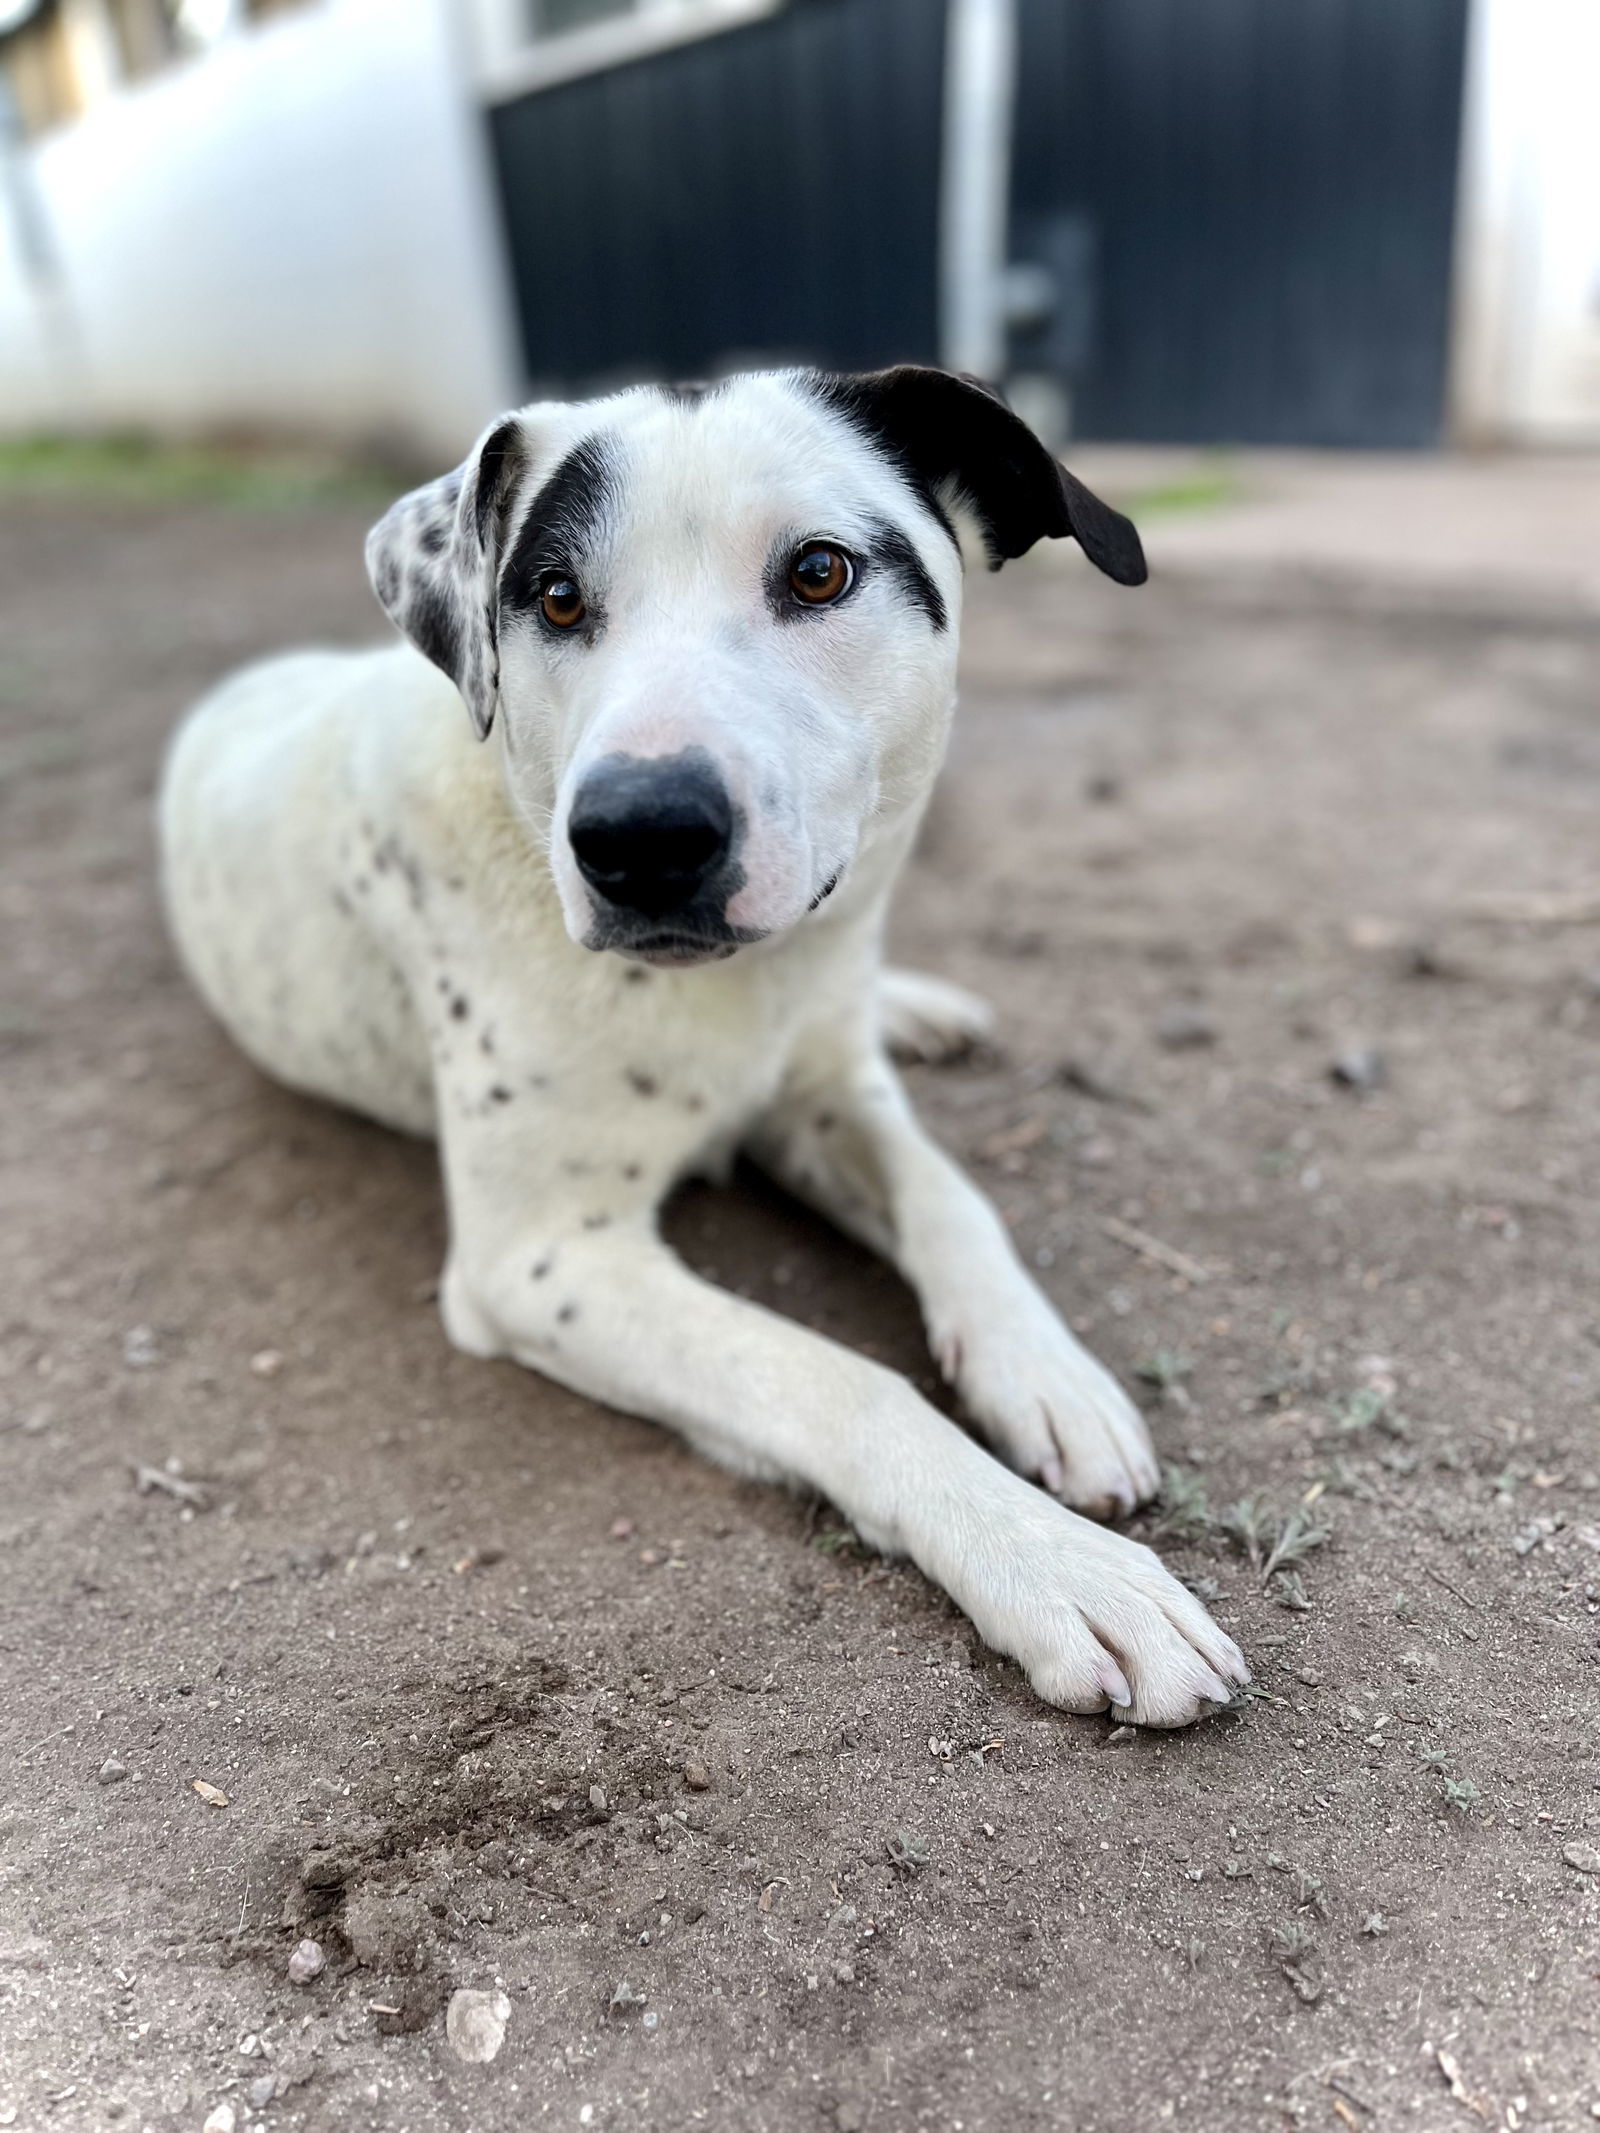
1052	1474
1112	1679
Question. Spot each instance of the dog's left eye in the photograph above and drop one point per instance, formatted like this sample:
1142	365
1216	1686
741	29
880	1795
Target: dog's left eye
560	600
820	575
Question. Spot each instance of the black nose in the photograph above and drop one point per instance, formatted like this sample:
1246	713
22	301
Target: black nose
647	835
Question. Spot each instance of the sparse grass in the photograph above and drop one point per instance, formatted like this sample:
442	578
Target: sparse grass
908	1851
1294	1949
1289	1590
1365	1407
1204	489
1184	1512
1166	1369
141	469
1460	1793
836	1540
1270	1543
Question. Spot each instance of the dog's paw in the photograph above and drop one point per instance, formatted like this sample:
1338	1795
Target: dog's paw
1049	1408
926	1019
1095	1620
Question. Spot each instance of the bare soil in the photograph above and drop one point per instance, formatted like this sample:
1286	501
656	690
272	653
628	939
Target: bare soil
508	1693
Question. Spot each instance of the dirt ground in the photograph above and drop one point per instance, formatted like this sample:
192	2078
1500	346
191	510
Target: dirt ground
512	1695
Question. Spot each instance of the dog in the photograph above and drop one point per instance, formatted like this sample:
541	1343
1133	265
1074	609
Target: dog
626	919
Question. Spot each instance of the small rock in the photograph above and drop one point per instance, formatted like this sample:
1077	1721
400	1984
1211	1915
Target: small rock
622	1529
1361	1067
141	1350
1185	1026
695	1775
1585	1857
111	1772
597	1798
221	2120
306	1961
261	2091
475	2024
266	1362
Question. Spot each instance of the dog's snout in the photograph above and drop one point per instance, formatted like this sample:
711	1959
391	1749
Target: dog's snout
648	835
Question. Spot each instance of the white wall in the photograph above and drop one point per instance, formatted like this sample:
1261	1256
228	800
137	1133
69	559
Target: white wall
296	232
1528	320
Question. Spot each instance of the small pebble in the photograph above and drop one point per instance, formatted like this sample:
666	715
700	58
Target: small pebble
1585	1857
1185	1026
111	1772
597	1798
1361	1067
140	1348
221	2120
696	1776
261	2091
266	1362
475	2025
306	1962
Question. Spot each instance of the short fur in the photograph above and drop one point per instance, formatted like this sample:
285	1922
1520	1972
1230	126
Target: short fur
386	913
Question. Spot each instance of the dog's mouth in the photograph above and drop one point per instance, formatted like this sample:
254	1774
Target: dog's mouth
676	951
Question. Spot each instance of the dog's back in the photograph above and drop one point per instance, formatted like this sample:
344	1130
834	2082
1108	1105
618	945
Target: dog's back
256	798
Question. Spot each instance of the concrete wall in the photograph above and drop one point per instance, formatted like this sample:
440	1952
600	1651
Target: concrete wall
1528	322
295	233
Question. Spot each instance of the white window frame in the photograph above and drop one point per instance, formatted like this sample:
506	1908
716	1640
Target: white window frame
510	62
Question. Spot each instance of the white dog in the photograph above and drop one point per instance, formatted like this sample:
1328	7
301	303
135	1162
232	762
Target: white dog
631	918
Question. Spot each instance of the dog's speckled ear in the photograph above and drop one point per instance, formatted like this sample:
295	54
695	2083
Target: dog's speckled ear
434	561
957	441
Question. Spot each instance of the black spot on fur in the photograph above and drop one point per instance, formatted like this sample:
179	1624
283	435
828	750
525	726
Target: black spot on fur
596	1221
825	1122
432	536
460	1007
500	1094
641	1083
566	1314
539	1269
634	975
430	623
632	1171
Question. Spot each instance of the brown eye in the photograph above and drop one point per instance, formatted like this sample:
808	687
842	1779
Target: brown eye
560	601
820	575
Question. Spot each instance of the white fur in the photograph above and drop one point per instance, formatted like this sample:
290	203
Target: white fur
384	912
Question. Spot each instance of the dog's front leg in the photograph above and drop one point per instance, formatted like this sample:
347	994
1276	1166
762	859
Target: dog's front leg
1093	1618
844	1136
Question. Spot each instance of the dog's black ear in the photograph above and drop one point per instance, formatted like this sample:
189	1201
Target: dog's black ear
434	561
957	440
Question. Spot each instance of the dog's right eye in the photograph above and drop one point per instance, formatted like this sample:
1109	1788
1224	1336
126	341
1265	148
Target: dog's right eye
560	601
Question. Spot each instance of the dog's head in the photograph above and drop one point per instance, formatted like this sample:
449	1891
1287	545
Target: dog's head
717	627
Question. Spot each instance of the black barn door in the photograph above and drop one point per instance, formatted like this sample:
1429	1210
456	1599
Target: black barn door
1249	207
769	193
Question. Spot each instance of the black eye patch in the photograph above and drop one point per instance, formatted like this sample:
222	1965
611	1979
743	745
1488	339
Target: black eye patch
887	554
563	523
898	559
